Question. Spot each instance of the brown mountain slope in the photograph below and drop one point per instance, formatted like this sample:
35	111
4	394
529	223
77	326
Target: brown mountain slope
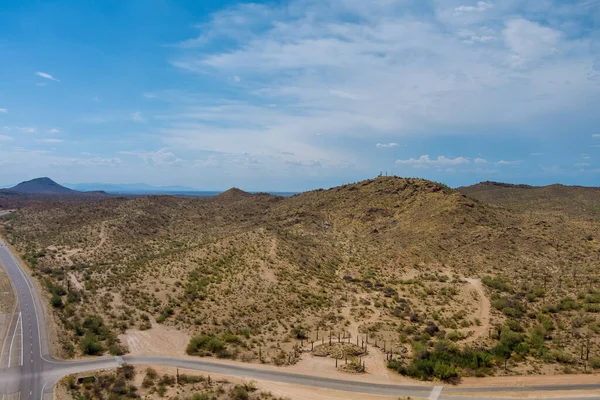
577	201
386	257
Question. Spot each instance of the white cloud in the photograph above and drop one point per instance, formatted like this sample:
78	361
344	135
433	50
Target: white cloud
529	40
237	78
84	162
51	140
596	135
46	76
426	162
503	162
159	158
391	144
53	130
26	129
583	164
149	95
347	69
137	117
3	110
480	161
480	7
345	95
5	138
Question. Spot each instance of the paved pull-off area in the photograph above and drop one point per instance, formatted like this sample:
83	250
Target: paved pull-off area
31	372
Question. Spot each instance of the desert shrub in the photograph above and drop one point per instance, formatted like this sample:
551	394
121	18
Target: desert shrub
299	332
205	345
443	362
567	304
56	301
90	345
200	396
239	393
497	283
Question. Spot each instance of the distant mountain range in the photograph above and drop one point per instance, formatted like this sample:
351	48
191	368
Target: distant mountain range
47	187
132	188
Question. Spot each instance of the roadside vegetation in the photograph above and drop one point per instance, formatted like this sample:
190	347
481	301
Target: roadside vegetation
135	383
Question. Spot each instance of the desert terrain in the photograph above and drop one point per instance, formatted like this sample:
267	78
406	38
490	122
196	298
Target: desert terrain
387	279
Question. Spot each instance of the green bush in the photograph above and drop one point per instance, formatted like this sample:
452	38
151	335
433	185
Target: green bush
239	393
90	345
56	301
443	362
497	283
205	345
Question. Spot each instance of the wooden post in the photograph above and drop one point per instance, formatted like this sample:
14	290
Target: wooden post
312	345
259	353
317	333
339	337
330	338
336	362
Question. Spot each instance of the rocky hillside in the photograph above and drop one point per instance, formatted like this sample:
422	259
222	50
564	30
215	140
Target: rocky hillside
577	201
397	260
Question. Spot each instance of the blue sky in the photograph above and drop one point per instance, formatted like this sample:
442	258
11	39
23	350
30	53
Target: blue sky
299	94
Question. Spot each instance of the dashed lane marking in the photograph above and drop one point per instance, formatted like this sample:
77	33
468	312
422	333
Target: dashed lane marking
435	393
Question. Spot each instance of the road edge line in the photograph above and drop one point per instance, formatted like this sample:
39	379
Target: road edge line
16	296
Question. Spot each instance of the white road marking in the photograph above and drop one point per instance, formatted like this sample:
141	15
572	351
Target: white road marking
22	344
13	340
435	393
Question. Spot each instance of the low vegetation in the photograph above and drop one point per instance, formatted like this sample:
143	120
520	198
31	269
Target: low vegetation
129	383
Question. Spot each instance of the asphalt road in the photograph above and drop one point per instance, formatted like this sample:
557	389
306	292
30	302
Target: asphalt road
36	376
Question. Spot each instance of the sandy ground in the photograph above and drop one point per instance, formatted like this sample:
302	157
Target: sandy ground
483	312
289	391
531	380
592	394
159	341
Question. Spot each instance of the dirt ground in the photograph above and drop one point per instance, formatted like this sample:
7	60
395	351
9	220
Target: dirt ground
161	340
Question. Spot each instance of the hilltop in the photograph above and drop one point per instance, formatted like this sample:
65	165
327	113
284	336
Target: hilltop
41	186
44	191
405	262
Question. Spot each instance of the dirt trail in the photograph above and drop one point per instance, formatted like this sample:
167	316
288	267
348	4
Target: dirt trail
483	312
102	236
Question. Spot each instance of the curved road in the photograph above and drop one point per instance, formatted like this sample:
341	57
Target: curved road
33	372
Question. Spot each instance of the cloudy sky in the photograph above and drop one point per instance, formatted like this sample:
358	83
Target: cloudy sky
299	94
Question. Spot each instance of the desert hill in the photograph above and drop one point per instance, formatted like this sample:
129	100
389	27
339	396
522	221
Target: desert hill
41	186
577	201
44	191
400	260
